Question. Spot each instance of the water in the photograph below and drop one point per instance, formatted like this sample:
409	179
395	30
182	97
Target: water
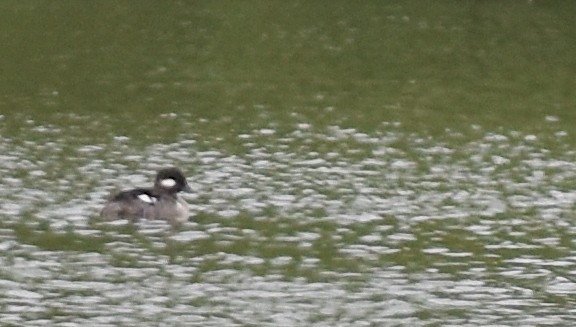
365	233
332	190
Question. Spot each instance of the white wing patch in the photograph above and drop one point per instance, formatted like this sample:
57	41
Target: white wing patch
168	182
147	198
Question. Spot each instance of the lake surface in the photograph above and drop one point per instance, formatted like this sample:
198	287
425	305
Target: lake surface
354	164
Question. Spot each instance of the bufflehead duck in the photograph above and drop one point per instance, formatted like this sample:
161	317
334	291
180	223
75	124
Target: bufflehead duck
158	202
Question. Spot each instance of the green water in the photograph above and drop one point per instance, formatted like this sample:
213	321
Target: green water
430	66
355	163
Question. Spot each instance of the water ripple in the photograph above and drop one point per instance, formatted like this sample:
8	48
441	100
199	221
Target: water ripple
320	227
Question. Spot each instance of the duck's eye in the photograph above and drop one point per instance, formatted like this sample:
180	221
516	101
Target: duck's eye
168	182
146	198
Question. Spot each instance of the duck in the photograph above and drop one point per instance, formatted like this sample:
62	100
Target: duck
161	201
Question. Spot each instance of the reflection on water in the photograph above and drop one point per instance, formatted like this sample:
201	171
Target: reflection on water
321	226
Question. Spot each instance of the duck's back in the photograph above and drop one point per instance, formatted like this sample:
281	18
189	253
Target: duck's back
130	204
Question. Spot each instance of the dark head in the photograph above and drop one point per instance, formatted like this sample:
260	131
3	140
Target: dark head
172	180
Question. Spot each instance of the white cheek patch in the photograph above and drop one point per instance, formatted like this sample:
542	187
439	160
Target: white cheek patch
147	198
168	183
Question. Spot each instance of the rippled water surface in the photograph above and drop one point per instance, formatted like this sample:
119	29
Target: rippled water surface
377	165
321	226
